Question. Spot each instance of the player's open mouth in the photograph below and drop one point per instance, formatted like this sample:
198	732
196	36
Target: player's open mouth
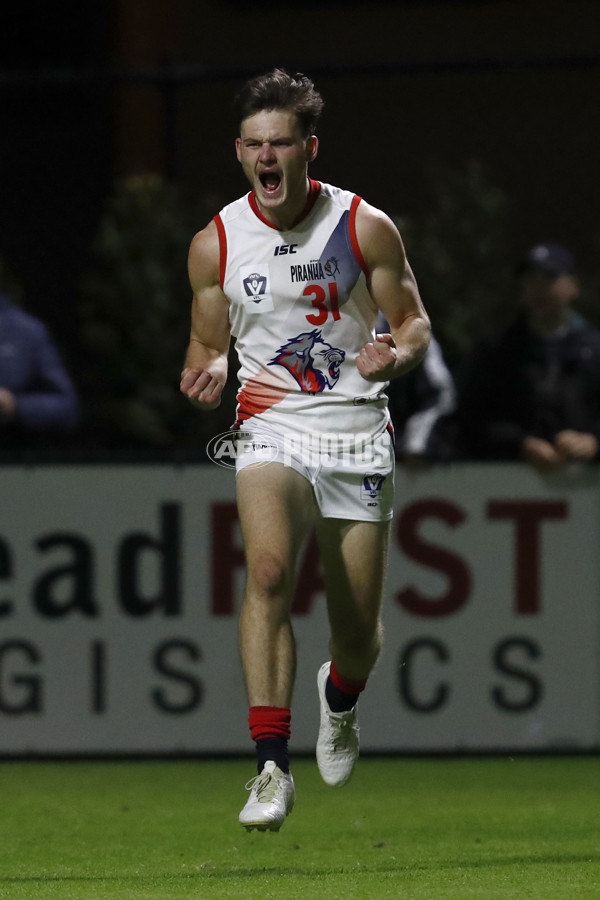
270	182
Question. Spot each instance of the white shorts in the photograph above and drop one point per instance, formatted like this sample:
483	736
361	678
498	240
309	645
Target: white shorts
352	475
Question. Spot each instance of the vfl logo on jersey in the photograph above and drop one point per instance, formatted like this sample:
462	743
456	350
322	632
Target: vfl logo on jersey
313	363
255	289
371	488
255	286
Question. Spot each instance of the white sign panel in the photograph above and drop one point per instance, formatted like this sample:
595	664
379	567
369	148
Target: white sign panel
492	637
120	589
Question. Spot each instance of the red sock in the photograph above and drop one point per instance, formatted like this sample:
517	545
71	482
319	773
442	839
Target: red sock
269	722
341	693
270	729
344	684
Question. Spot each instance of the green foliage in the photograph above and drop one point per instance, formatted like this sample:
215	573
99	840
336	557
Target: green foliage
135	315
460	252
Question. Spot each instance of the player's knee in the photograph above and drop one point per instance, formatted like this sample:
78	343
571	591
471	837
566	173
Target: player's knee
268	576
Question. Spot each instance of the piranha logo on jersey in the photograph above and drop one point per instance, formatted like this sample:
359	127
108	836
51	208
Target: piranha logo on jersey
315	270
311	361
332	267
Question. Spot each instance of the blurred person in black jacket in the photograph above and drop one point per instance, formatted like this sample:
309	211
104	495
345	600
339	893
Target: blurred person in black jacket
38	401
532	392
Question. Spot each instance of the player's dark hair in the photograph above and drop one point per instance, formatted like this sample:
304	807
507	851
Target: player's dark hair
280	90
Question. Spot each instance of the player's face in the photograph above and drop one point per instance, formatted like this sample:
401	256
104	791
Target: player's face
275	156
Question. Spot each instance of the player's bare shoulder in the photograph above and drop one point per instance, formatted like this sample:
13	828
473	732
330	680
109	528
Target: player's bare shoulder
204	258
378	238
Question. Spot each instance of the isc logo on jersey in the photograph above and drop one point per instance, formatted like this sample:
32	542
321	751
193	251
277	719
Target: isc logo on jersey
255	289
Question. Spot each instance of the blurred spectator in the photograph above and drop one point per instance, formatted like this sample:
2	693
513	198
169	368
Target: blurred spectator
420	405
37	397
532	392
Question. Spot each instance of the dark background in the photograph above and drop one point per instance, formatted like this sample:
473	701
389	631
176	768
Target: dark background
92	91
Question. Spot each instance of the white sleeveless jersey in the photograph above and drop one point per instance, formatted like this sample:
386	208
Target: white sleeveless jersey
300	312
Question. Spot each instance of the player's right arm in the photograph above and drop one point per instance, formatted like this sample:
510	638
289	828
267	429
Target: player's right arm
205	369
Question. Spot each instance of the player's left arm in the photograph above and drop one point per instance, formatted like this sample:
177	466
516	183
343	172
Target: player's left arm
394	290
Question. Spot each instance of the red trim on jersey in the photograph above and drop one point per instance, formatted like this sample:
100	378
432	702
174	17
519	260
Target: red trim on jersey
222	249
353	238
390	431
256	210
314	189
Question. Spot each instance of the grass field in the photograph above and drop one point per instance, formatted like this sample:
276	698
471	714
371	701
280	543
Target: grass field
411	828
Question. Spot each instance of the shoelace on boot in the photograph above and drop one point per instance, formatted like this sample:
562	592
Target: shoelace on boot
261	784
340	728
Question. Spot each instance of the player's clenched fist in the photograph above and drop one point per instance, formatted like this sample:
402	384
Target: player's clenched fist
377	359
201	387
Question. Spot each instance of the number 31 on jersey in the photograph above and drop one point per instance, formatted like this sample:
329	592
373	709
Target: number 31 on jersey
323	301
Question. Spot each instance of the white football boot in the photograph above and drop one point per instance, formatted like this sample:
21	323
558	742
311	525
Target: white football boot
337	744
272	796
